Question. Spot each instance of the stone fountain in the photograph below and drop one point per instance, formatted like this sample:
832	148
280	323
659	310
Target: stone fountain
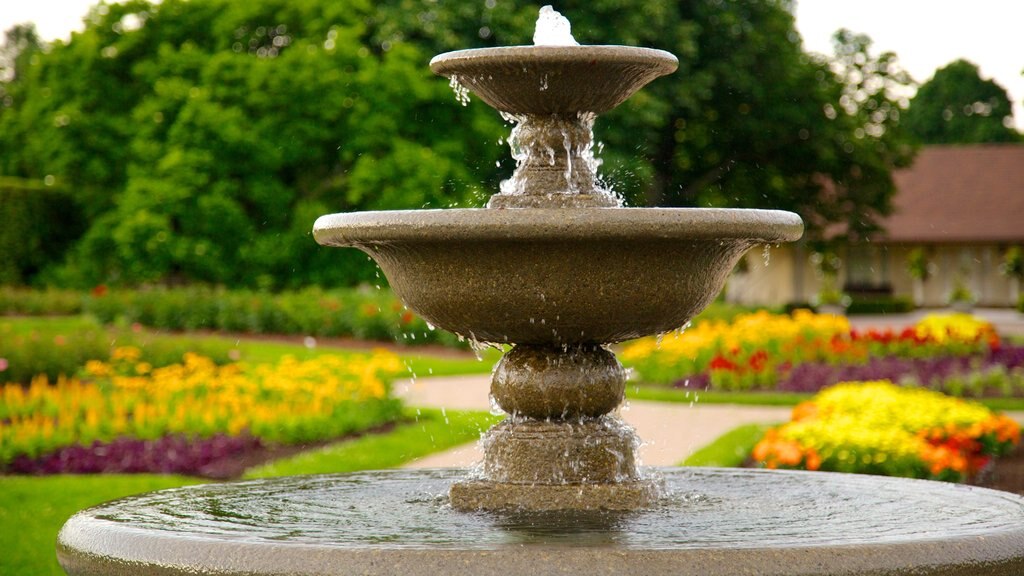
557	269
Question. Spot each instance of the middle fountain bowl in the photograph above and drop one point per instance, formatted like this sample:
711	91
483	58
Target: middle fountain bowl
557	275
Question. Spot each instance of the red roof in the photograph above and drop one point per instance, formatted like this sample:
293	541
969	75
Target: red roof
968	193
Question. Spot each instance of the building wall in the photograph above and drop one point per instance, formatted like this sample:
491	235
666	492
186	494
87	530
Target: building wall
977	265
790	277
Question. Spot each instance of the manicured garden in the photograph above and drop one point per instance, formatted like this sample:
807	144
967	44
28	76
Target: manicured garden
201	383
89	411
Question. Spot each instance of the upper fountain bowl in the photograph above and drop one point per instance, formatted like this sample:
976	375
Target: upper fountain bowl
560	80
557	276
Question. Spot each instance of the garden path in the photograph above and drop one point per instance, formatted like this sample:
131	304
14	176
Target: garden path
670	432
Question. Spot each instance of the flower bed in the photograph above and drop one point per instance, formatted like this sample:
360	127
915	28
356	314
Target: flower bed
286	403
867	427
763	351
64	347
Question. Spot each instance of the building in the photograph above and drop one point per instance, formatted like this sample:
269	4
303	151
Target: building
958	209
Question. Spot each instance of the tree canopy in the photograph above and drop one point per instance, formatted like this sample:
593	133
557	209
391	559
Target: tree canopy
958	106
201	138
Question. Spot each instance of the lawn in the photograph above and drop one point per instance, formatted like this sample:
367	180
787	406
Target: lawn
730	449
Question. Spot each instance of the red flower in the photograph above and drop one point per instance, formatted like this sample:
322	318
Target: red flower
758	360
99	290
720	362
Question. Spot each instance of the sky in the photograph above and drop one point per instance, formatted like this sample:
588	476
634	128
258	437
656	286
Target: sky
925	34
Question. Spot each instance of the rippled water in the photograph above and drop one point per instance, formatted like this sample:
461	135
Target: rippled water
704	508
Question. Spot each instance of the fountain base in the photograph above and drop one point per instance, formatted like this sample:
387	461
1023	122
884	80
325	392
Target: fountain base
708	522
479	495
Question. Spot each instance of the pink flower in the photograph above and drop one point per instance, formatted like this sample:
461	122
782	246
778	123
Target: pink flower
3	364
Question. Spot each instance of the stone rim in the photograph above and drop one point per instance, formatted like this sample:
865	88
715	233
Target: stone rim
91	544
593	79
451	62
556	224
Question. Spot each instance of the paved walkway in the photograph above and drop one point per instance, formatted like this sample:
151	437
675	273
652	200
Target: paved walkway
670	432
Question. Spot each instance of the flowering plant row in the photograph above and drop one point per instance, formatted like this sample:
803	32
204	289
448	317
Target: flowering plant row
371	313
288	402
866	427
65	346
757	350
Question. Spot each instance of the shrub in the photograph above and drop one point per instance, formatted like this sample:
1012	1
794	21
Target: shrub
37	224
47	302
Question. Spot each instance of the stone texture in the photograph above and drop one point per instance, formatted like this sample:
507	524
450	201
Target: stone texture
544	383
589	451
557	276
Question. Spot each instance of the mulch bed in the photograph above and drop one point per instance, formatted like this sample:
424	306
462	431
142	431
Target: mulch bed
217	458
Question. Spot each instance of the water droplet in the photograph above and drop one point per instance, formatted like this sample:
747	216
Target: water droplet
495	407
461	92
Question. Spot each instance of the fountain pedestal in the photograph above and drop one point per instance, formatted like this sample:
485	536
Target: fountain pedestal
560	449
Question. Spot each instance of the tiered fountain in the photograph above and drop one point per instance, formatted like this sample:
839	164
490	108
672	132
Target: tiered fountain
555	267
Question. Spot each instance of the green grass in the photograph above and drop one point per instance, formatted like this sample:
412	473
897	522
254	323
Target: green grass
22	326
32	510
730	449
432	432
662	394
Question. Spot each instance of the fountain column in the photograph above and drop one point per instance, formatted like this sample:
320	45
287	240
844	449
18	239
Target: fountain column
560	448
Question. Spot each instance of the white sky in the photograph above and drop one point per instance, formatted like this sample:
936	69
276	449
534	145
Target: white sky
926	34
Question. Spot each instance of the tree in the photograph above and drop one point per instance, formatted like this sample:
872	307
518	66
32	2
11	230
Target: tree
202	137
958	106
21	41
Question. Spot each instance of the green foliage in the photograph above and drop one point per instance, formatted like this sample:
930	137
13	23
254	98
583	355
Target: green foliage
61	346
46	302
919	265
202	137
1013	263
958	106
37	224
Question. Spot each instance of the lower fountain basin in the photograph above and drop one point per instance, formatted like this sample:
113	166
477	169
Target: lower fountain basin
709	522
557	276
